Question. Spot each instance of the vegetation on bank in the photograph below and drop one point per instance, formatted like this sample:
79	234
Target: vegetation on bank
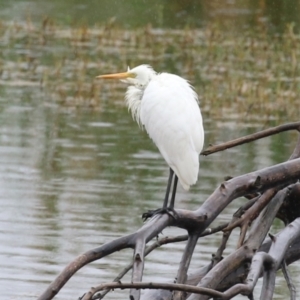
252	74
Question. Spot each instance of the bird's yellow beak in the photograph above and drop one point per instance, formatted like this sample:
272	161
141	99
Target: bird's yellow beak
117	76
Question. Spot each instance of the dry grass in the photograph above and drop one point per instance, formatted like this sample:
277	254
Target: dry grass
250	75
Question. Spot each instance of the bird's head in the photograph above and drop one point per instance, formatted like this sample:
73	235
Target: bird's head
138	76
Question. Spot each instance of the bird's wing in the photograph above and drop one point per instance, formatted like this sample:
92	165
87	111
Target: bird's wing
172	118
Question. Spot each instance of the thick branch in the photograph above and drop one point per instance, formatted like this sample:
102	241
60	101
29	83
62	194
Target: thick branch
258	181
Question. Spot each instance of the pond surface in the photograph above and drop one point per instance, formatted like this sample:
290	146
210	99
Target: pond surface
73	176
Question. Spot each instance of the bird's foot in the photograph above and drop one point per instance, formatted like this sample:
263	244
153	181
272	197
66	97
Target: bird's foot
151	213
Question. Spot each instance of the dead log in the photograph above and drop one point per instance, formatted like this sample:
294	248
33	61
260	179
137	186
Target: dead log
273	186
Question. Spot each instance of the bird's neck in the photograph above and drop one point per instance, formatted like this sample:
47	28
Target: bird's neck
133	100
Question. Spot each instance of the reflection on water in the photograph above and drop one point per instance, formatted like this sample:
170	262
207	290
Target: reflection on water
74	177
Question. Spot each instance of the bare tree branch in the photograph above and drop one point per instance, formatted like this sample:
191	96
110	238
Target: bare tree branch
152	285
185	263
138	266
161	242
195	222
296	152
227	232
251	137
151	229
237	276
245	253
288	280
252	213
268	264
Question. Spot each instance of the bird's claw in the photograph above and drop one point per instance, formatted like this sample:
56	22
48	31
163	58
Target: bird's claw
169	210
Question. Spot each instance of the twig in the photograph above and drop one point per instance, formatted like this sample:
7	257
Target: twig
296	152
288	280
251	137
153	285
251	214
244	207
236	217
185	262
217	258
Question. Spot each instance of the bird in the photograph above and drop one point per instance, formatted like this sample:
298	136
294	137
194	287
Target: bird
167	107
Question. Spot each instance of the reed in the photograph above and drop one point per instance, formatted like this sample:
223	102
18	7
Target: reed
251	75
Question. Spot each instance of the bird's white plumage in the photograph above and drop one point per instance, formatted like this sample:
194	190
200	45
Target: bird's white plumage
167	106
171	115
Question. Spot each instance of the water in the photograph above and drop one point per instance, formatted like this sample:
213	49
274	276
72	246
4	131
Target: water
73	177
72	180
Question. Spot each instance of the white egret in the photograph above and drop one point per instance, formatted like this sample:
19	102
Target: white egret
167	106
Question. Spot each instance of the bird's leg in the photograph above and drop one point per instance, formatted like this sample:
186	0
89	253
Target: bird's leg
165	205
165	208
172	203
